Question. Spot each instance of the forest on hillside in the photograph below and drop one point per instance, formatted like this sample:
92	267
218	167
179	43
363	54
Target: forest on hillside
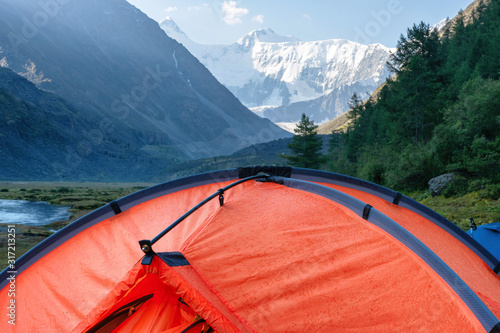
439	113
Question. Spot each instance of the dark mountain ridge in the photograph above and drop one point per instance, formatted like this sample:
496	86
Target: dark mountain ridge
43	137
116	66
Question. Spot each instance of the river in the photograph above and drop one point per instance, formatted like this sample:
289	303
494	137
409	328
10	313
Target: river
31	212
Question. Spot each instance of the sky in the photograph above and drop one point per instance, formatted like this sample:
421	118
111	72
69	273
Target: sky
362	21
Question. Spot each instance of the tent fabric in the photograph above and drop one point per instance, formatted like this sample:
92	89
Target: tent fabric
488	235
294	252
365	189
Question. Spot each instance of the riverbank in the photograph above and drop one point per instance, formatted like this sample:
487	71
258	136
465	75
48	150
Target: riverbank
87	196
82	197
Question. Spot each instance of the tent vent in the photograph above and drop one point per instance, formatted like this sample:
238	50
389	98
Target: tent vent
366	211
397	198
116	208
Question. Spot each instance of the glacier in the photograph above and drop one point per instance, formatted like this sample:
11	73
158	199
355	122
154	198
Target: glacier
281	77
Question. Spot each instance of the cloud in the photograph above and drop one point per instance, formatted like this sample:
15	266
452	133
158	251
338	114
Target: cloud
232	13
307	17
170	9
258	18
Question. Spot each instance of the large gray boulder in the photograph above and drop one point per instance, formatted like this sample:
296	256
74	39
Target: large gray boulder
439	183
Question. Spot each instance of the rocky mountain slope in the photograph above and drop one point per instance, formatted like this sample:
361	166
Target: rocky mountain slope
467	14
45	138
280	77
112	61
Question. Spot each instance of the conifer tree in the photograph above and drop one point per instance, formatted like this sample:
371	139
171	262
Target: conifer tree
440	113
355	108
305	146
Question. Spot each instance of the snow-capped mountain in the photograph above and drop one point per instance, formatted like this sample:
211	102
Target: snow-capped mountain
441	24
280	77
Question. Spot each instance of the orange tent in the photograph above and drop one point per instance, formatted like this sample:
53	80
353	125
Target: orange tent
264	249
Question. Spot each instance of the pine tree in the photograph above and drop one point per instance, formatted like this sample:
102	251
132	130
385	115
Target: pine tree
417	62
355	108
420	43
306	146
440	113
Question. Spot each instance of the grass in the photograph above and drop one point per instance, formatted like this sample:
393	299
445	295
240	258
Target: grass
458	209
86	197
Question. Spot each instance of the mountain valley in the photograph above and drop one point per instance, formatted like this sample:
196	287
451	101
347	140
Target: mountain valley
131	90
